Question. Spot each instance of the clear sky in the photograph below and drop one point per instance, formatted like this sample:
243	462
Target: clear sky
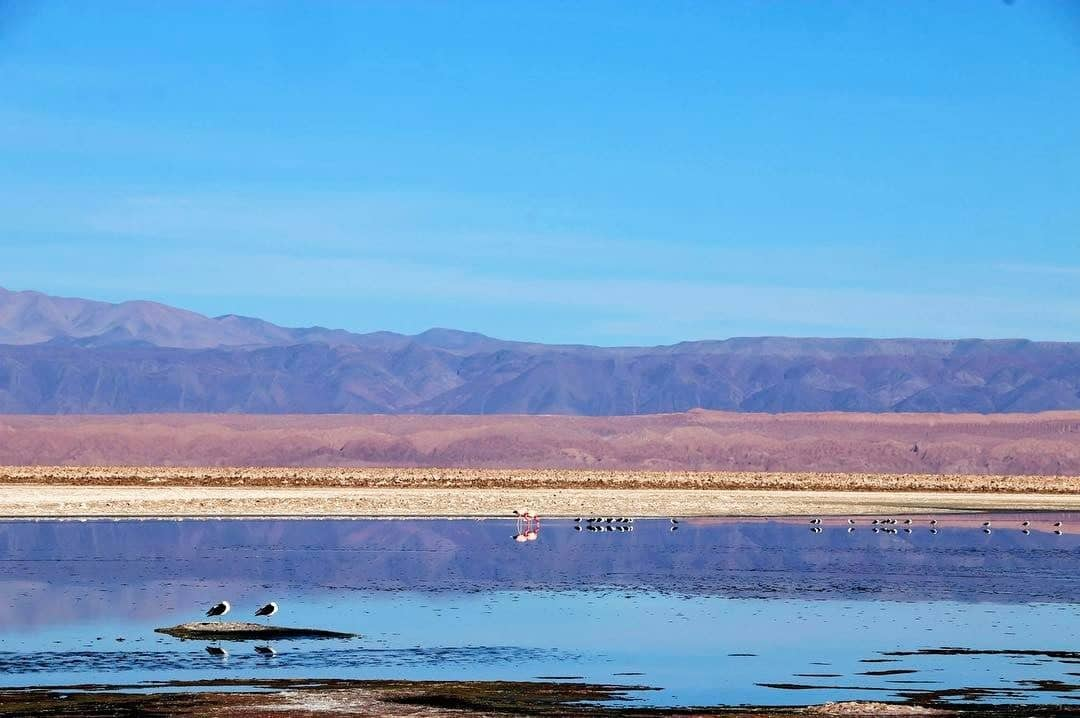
603	172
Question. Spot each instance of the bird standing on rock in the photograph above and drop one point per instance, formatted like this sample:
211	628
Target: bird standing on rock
268	610
218	610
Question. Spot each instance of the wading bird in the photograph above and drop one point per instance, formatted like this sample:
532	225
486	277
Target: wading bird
219	610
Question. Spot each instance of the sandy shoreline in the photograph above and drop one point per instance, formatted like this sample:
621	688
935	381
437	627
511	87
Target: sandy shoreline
60	501
119	491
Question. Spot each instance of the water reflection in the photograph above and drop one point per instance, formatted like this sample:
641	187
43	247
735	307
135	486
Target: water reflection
715	612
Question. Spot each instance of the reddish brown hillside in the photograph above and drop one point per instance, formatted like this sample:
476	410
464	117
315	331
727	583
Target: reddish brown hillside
1039	444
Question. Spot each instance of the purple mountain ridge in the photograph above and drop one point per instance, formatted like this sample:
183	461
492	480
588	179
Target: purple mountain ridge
60	355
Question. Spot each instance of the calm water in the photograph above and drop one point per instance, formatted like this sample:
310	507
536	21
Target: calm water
715	612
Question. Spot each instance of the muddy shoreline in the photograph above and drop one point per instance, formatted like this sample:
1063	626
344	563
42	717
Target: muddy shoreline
299	697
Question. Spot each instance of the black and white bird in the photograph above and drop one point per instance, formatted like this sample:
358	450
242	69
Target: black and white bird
218	610
217	651
268	610
265	650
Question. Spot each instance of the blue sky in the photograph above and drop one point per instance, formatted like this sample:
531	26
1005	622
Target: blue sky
601	172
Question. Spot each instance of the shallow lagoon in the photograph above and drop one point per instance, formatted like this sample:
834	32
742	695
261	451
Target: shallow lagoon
715	612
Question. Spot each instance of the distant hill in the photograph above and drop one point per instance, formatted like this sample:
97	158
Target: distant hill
62	355
1045	444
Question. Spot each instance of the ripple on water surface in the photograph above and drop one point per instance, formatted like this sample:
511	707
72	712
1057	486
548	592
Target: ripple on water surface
715	612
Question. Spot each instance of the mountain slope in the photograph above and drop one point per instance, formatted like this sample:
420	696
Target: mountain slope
33	318
73	356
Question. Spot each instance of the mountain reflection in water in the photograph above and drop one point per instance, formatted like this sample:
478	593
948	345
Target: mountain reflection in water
769	605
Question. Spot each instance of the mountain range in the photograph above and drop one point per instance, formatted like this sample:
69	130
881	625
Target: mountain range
62	355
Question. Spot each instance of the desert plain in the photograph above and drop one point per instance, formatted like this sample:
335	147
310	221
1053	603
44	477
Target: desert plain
698	463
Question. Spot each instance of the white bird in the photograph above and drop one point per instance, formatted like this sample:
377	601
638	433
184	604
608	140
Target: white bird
268	610
219	609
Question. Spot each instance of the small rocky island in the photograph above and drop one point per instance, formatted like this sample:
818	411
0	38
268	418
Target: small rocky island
243	631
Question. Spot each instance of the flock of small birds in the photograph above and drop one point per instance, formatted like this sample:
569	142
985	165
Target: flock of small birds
886	525
889	526
605	523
